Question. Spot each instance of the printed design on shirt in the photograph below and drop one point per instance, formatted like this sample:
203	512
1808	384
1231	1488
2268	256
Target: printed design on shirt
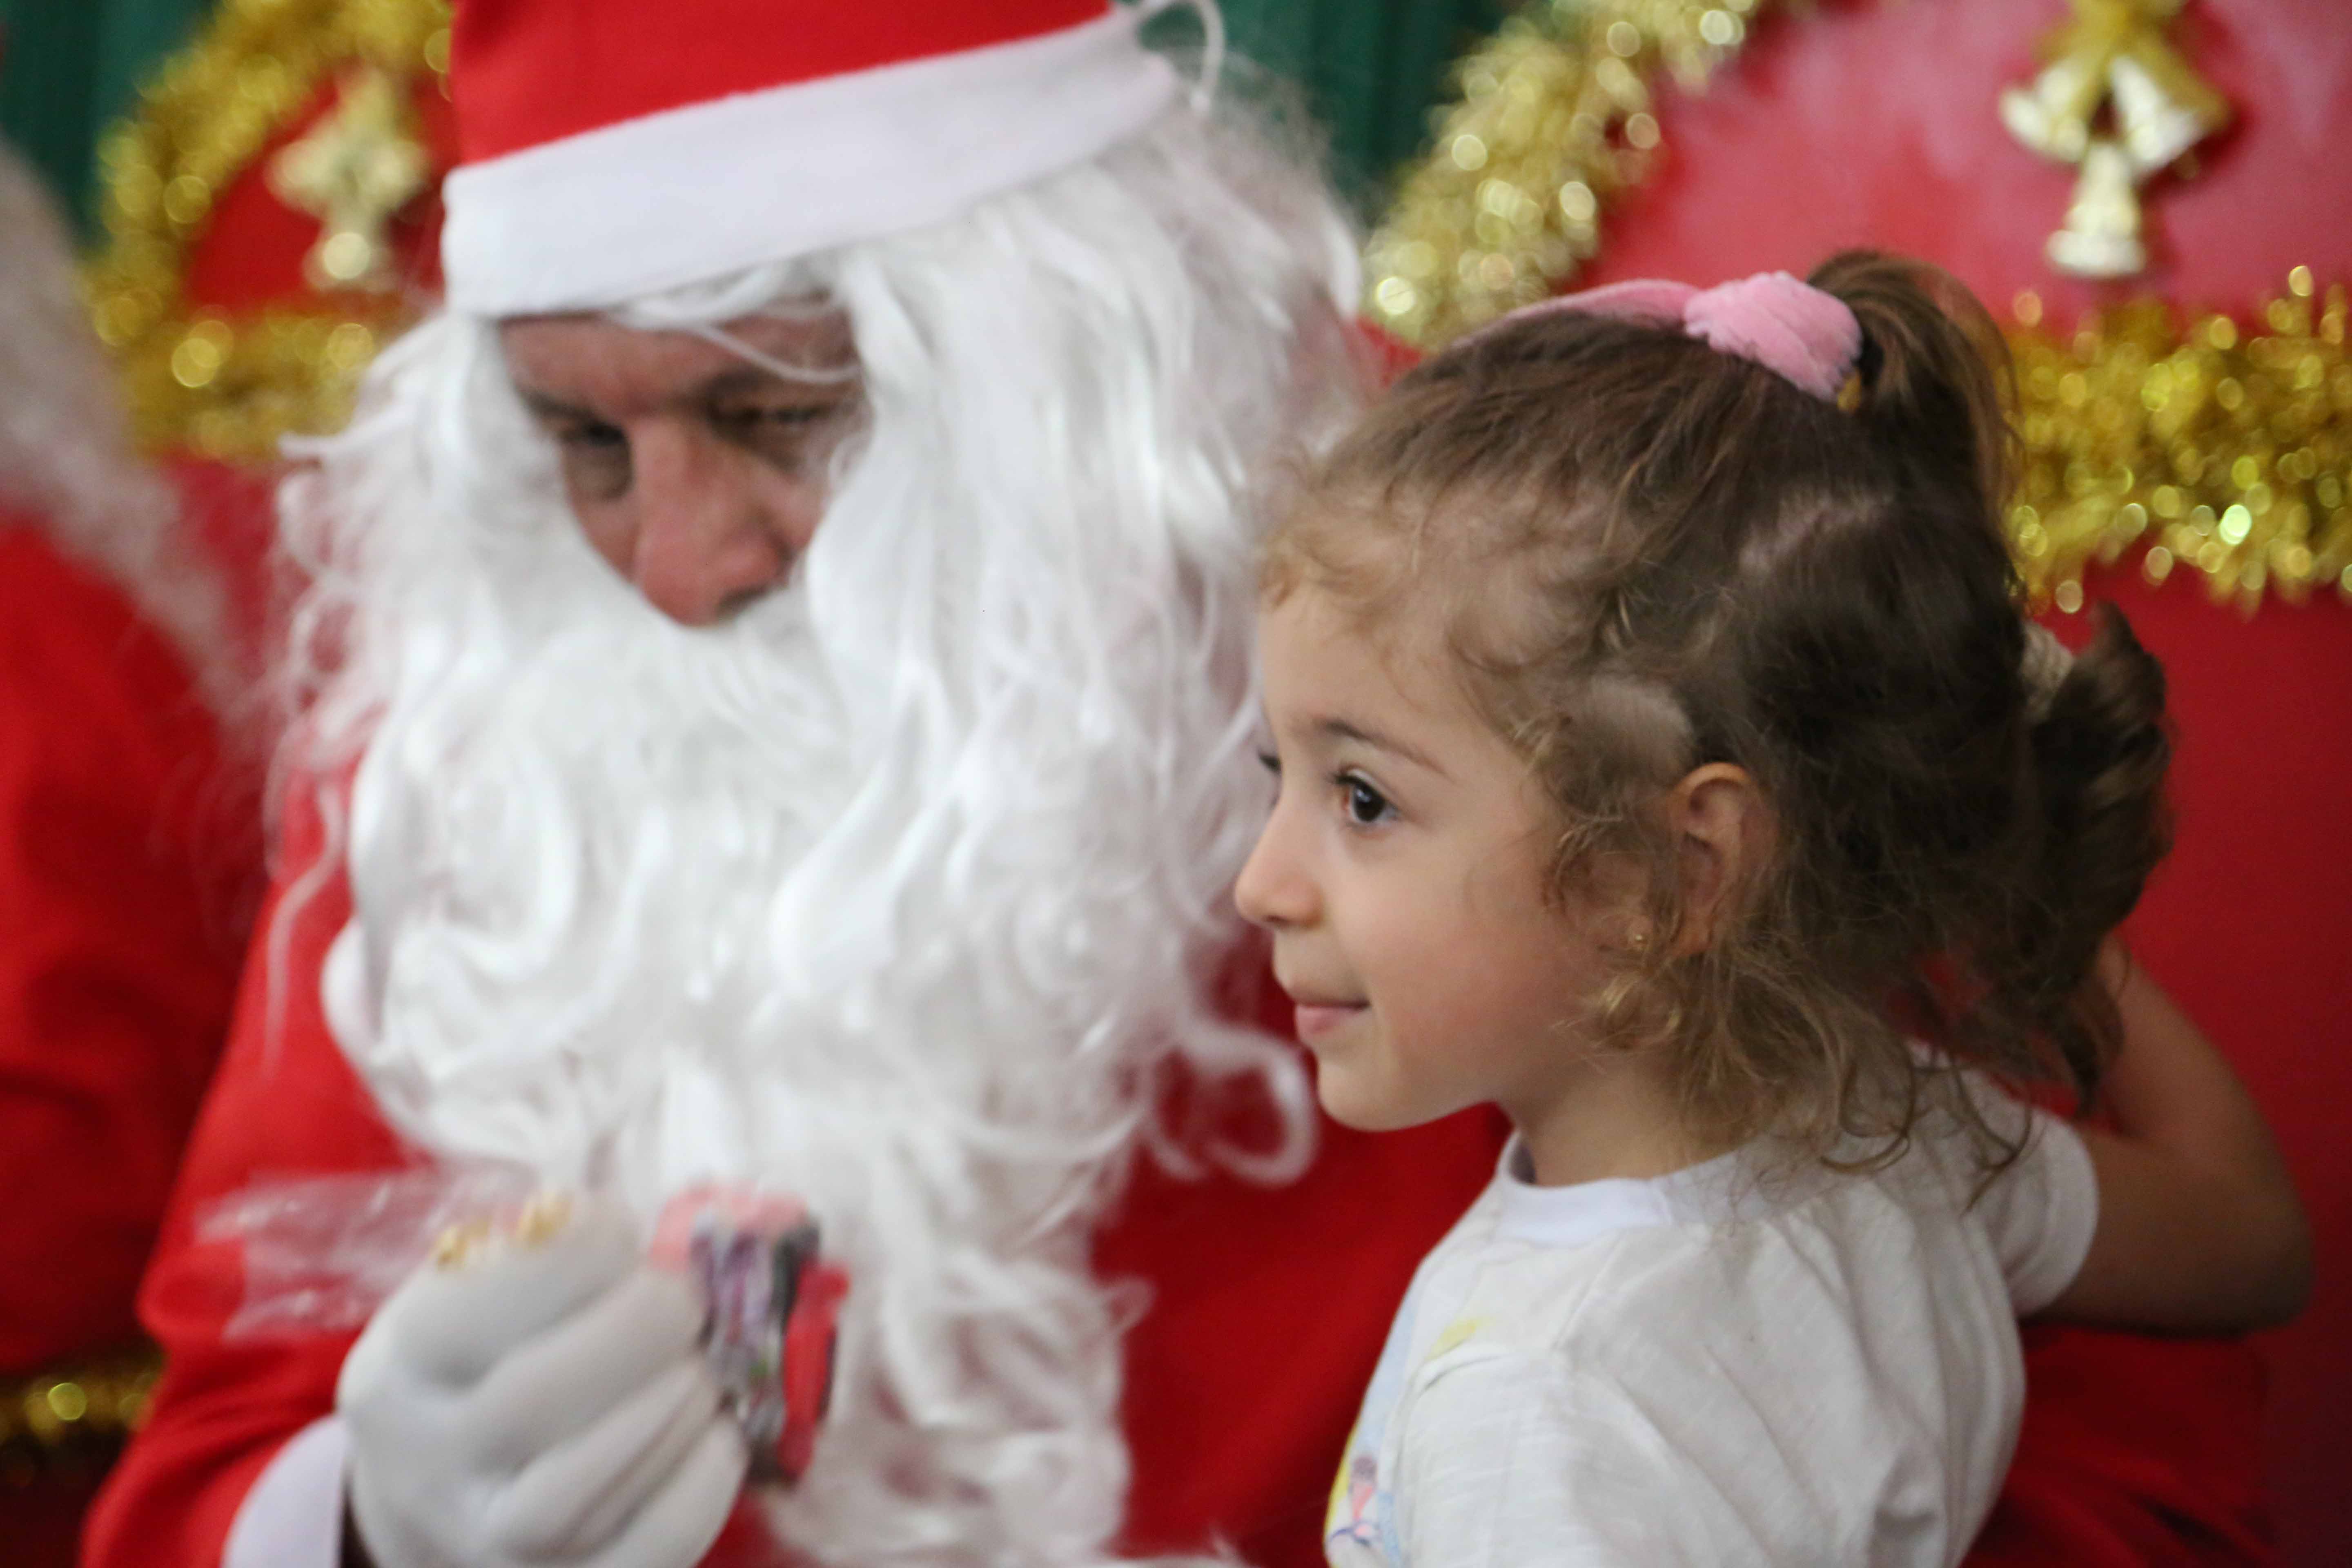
1354	1541
1360	1528
1455	1335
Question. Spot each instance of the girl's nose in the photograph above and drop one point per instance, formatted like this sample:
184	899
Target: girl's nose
1274	890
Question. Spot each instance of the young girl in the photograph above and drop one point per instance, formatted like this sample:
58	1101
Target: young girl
1663	758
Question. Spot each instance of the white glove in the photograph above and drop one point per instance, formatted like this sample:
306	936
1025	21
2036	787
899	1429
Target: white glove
548	1405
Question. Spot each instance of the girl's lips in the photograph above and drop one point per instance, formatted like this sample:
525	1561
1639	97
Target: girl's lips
1322	1018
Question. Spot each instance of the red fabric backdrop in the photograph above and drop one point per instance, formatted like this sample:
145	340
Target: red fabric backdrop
1869	123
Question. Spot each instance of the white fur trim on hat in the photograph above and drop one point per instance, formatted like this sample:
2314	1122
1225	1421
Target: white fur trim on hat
627	210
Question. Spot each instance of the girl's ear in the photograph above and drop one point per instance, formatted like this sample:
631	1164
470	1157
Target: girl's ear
1723	832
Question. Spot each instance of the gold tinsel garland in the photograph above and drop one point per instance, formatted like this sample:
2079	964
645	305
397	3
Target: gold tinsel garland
67	1410
2225	450
2222	450
1554	122
224	388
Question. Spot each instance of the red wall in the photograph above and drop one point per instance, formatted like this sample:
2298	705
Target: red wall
1875	124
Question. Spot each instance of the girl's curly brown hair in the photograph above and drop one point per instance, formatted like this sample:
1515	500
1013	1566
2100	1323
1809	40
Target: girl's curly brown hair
1649	556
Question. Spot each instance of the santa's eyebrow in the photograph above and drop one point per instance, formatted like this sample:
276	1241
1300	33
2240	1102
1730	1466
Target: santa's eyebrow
546	408
728	384
745	380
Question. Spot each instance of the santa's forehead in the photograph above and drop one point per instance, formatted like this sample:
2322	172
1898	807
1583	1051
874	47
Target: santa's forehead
596	361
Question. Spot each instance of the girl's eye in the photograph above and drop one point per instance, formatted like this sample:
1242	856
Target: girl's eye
1364	804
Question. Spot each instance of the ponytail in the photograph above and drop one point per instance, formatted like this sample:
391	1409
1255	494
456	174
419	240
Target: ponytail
1929	395
1933	370
2098	758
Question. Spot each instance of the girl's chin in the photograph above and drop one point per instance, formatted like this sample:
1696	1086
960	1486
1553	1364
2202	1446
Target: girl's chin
1346	1101
1347	1114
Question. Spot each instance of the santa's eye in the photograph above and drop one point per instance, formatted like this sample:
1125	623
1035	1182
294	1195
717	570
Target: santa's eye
793	437
597	461
592	434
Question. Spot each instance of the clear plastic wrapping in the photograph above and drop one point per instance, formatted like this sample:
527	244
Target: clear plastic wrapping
323	1253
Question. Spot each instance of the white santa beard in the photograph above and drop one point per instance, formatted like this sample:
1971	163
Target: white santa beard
631	854
897	892
640	906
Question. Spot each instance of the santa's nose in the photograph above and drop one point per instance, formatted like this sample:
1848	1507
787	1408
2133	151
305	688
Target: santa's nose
704	542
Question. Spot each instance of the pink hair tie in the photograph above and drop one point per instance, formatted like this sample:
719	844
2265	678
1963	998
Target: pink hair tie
1804	335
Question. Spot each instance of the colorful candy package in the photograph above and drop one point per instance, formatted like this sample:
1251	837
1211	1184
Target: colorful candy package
774	1311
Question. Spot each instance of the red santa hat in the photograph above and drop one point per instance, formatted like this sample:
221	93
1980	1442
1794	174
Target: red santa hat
609	149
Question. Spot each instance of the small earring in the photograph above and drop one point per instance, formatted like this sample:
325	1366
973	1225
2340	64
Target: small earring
1639	937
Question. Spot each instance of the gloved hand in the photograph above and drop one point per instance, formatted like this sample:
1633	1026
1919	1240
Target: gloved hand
545	1405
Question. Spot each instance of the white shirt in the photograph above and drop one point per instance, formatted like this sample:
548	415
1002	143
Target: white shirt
1711	1369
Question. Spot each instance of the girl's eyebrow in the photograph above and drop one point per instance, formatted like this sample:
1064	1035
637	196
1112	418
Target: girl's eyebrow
1337	729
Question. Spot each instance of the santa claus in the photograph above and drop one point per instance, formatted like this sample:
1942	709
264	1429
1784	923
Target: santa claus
779	714
126	864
